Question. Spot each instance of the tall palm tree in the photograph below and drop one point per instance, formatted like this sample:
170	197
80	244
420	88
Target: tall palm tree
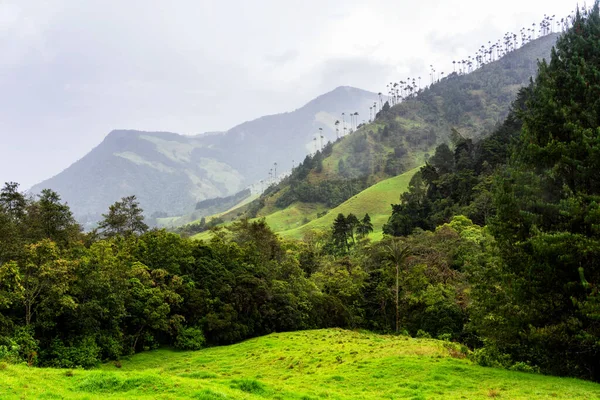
396	252
337	129
321	136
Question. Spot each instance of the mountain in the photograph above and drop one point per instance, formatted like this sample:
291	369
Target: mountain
405	135
169	173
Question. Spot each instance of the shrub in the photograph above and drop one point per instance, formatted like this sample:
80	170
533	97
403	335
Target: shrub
490	356
190	339
423	335
524	367
85	354
28	347
10	352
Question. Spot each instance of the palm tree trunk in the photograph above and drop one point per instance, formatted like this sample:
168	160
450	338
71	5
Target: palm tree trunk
397	290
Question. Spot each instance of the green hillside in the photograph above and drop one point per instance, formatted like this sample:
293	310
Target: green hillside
375	201
401	137
331	363
291	222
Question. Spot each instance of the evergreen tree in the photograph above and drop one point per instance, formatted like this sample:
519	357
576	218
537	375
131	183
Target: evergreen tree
339	233
365	227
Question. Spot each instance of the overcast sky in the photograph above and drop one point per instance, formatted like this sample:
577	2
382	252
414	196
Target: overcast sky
71	71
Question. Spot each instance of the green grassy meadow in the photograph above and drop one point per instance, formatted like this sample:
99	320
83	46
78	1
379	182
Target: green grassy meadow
375	200
320	364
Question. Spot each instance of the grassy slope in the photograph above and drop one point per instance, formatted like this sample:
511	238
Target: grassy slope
194	217
331	363
375	201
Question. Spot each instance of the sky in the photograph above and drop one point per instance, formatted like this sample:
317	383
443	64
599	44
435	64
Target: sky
71	71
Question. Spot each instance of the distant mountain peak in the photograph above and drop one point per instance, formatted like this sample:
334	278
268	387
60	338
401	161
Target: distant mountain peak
170	173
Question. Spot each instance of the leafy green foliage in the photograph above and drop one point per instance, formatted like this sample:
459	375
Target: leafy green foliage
124	218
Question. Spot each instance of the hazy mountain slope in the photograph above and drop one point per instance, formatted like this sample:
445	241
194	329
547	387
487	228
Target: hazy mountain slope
405	135
256	145
169	173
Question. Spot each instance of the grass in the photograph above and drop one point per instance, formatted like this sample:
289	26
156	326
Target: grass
293	216
375	200
196	216
321	364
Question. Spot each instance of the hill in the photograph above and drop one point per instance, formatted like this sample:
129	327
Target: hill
170	173
329	363
405	135
375	201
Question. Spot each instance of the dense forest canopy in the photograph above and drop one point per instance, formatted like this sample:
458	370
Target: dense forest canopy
495	245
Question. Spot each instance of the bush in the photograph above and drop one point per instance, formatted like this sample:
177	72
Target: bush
85	354
423	335
10	352
28	347
490	356
190	339
524	367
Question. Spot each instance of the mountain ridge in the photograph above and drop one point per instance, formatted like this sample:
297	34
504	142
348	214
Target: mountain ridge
170	172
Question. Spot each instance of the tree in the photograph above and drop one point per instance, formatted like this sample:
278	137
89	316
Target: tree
365	227
44	279
340	233
12	201
124	218
351	224
396	252
51	219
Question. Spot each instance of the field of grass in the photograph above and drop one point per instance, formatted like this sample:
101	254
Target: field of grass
321	364
196	216
293	216
375	201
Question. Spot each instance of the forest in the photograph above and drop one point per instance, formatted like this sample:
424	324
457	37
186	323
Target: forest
495	246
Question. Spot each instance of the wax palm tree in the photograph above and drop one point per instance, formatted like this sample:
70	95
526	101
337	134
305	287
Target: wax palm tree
396	252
